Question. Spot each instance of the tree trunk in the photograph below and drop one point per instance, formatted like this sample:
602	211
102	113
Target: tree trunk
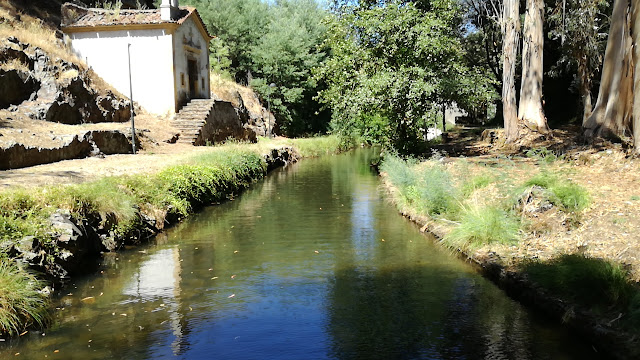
585	87
510	29
635	30
530	112
611	117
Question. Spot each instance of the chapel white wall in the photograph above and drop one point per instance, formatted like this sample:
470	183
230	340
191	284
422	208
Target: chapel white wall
151	64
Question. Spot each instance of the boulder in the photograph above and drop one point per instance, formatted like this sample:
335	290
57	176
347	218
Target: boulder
77	247
111	142
78	103
224	122
16	86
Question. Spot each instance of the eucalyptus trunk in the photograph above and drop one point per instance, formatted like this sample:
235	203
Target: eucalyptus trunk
585	87
635	21
530	113
612	115
510	30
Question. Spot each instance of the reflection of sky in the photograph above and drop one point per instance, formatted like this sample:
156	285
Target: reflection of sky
362	227
157	277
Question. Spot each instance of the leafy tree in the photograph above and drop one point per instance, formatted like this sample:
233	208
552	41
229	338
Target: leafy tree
396	64
219	57
240	24
261	44
284	57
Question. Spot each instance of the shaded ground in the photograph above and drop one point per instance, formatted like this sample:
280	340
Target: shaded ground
609	228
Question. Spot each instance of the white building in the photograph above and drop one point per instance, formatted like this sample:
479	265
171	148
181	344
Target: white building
169	50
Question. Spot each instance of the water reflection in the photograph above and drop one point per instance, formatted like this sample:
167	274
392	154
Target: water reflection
309	264
158	278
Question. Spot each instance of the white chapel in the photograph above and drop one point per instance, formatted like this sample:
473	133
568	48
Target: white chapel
168	49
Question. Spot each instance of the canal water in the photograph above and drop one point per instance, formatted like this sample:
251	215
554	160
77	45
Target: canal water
311	263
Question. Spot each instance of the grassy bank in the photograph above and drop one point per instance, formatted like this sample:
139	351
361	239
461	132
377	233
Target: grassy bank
503	210
119	209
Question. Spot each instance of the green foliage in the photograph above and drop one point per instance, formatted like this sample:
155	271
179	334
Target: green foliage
562	191
284	56
398	61
582	29
263	43
483	225
21	214
592	282
20	303
219	57
428	190
239	24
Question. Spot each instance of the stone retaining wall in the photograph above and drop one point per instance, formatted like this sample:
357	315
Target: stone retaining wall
96	142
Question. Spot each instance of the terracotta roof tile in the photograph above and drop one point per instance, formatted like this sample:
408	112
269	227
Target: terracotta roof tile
78	16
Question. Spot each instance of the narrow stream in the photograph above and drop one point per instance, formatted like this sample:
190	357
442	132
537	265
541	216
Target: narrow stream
311	263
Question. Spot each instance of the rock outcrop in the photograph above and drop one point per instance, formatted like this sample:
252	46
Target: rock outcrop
224	122
54	89
98	142
16	86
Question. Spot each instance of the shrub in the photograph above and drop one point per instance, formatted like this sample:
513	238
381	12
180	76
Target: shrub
542	154
436	193
21	305
483	225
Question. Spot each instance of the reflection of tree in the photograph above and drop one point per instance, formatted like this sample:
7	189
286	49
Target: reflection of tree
382	314
482	323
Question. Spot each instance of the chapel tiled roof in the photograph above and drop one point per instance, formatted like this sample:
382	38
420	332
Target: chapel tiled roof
77	16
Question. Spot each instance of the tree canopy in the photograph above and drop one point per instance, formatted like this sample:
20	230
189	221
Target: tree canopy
262	44
393	66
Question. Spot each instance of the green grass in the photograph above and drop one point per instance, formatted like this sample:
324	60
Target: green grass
475	183
313	147
429	190
481	225
20	303
596	283
562	192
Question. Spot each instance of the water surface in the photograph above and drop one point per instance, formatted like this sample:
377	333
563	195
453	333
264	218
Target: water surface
311	263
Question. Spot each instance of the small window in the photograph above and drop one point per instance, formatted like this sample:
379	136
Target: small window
182	79
202	83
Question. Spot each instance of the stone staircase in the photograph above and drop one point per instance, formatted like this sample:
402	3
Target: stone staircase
191	119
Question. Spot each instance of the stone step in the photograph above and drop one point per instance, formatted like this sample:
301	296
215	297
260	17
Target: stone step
188	124
199	112
195	132
194	122
191	119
